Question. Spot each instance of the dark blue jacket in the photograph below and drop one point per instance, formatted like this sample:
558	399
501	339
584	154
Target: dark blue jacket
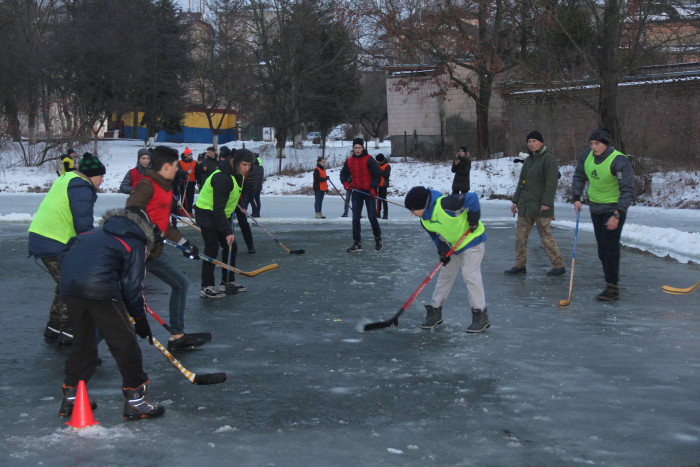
108	263
82	195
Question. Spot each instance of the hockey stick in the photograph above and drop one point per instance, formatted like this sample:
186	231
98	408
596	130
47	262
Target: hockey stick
206	336
291	252
231	290
336	189
381	199
395	320
187	213
573	262
678	291
182	219
201	379
224	265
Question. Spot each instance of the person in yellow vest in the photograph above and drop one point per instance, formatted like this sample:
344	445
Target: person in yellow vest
611	191
214	208
68	163
383	187
446	219
153	193
320	186
66	211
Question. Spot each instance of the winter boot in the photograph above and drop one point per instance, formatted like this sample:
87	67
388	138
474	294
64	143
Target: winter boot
345	214
516	270
51	332
556	271
251	249
480	320
137	406
69	393
433	317
357	246
611	292
184	343
321	216
65	337
386	215
378	243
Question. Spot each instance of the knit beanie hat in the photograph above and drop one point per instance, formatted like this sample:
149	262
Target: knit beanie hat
91	165
187	152
144	152
463	148
380	157
70	151
417	198
602	135
534	134
359	141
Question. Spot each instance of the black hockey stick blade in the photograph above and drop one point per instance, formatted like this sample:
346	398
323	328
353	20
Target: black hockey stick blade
381	324
297	252
210	378
205	336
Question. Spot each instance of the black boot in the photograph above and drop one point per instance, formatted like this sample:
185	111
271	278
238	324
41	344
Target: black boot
378	243
186	342
611	292
68	401
433	317
480	320
52	331
66	336
357	246
137	406
516	270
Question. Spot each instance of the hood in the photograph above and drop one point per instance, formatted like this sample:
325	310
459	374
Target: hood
127	222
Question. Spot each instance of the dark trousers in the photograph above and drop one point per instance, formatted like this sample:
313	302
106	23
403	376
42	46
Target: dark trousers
213	239
381	192
245	227
112	321
255	202
608	245
318	200
457	192
358	200
188	195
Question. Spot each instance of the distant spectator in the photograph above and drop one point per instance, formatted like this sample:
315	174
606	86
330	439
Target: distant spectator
320	186
461	167
132	177
382	189
68	163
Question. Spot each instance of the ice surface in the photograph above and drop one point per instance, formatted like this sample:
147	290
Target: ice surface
595	383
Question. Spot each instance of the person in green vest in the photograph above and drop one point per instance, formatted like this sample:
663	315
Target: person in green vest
611	191
447	219
214	208
533	201
68	163
66	211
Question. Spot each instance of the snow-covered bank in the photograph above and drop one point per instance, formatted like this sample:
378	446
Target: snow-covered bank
662	231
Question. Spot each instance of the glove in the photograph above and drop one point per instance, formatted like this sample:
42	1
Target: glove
346	185
473	227
445	259
193	251
373	192
143	329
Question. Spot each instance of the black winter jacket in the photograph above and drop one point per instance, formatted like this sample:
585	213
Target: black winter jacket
461	180
221	185
109	263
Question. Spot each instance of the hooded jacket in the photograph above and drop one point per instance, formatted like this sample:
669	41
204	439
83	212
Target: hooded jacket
537	184
109	263
131	178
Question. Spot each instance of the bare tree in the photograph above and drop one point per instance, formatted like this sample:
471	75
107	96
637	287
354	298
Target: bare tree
371	111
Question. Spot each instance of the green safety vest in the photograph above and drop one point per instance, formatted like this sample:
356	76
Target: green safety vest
259	161
205	200
54	218
603	187
451	228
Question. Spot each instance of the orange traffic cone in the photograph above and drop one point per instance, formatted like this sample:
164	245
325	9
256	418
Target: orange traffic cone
82	413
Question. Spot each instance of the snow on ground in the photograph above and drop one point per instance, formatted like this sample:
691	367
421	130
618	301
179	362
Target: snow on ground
493	178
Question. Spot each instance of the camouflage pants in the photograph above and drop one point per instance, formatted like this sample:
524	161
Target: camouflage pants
544	228
58	315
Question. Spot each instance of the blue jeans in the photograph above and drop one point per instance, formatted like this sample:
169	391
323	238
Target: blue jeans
358	199
348	198
164	270
318	199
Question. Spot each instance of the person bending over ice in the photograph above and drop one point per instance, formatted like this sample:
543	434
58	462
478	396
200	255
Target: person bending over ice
447	218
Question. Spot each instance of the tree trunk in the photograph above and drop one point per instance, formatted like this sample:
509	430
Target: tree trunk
482	116
609	72
13	125
281	137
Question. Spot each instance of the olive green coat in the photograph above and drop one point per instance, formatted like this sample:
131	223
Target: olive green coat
537	184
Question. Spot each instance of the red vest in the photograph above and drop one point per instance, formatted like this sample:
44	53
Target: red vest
323	186
382	181
189	168
361	176
160	205
135	176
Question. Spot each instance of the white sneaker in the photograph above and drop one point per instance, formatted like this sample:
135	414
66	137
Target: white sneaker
211	292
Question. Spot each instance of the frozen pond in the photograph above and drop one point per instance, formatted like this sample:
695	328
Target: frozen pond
593	384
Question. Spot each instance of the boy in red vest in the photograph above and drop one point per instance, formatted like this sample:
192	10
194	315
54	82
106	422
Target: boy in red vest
360	173
153	193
